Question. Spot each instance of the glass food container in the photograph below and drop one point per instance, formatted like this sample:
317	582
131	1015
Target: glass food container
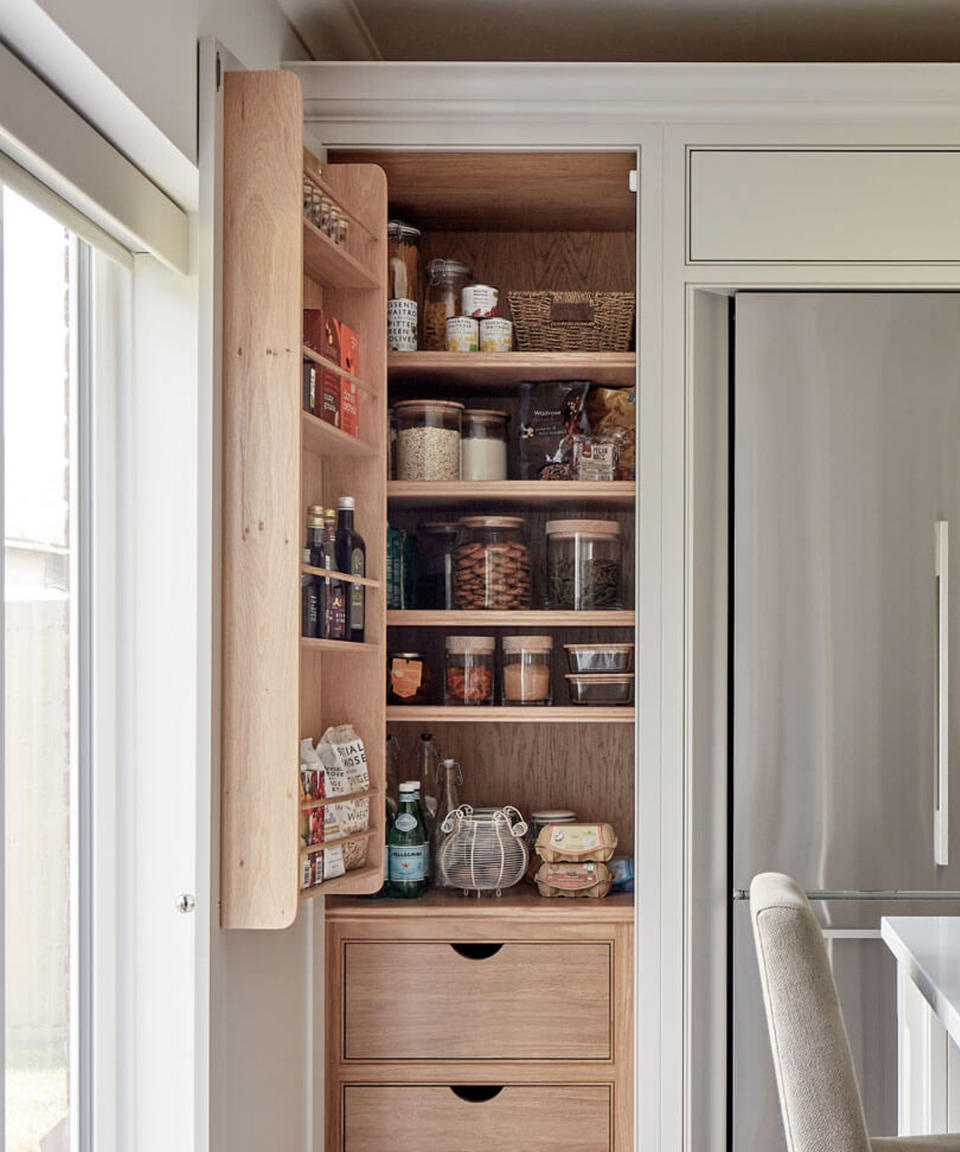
583	564
483	445
600	687
435	544
408	678
492	563
446	279
599	657
525	669
469	671
428	439
403	286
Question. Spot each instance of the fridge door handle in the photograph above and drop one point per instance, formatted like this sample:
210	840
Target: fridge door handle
941	804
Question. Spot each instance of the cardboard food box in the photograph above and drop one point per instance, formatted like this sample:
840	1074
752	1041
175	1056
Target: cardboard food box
349	349
349	407
313	327
327	404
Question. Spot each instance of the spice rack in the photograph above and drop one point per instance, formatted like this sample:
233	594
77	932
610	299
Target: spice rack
277	460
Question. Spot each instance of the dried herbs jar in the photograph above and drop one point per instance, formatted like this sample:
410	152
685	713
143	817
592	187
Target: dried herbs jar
492	563
483	445
469	669
584	568
525	669
428	439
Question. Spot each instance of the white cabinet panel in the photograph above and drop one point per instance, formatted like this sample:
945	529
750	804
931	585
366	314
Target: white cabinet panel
822	206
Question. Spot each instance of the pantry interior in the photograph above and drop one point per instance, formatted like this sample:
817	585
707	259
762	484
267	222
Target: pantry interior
537	220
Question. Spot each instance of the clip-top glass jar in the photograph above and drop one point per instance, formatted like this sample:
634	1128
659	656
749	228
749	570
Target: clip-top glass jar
428	439
483	445
526	669
435	544
583	564
445	281
469	671
492	563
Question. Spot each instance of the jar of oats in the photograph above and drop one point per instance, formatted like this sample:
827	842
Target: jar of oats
492	563
428	439
446	279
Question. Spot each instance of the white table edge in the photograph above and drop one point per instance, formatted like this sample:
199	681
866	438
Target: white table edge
946	1009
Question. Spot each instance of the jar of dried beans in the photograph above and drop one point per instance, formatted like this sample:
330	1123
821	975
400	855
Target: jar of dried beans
583	564
446	279
428	439
470	670
492	563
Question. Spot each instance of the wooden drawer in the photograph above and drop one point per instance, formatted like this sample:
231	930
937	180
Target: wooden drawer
514	1001
537	1118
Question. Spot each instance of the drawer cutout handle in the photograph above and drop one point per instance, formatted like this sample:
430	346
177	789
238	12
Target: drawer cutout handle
476	1093
476	951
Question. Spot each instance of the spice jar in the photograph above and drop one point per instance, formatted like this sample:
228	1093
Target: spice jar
483	445
445	281
469	670
525	669
435	544
428	439
583	564
408	678
492	563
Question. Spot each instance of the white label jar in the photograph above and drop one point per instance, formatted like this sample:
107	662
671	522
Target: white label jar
483	445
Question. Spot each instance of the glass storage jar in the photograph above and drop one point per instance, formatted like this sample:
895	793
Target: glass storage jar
525	669
403	261
428	439
435	544
408	678
583	564
483	445
492	563
445	281
469	670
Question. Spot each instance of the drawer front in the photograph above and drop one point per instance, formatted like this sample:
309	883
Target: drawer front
537	1118
823	206
437	1001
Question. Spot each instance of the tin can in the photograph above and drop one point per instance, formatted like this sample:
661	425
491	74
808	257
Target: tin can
479	300
462	333
402	325
496	335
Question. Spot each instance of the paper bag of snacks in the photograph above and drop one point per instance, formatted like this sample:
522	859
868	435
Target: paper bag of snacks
586	879
576	842
551	414
612	414
344	759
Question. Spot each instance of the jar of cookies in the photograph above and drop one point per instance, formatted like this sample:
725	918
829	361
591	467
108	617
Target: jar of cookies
492	563
469	670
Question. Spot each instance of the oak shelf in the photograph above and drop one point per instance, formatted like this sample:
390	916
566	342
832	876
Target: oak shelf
357	880
365	835
519	902
425	493
331	266
513	618
309	354
503	371
315	643
344	576
309	805
499	714
324	439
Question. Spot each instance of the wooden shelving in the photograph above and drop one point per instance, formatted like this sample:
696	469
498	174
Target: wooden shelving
332	266
555	714
310	805
344	576
316	358
519	902
305	850
503	371
315	644
324	439
426	494
532	618
367	879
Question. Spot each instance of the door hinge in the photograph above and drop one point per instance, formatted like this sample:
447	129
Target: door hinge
634	180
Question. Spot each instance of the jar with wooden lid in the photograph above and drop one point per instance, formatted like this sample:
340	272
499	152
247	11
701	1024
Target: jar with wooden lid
492	563
428	439
525	669
446	280
435	544
469	670
483	444
583	564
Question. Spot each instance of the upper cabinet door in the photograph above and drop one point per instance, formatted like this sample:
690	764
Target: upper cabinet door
821	206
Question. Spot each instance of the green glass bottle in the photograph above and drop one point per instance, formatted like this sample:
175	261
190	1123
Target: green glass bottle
409	846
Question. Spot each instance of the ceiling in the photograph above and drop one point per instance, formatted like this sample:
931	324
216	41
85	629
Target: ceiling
630	30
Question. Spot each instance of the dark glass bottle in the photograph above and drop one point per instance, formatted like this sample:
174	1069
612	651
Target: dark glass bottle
409	846
309	601
333	592
352	559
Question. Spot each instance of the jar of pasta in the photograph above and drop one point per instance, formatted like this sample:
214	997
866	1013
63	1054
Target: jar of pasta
403	286
445	281
469	670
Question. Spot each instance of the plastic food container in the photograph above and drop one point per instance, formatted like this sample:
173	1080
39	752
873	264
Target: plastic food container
446	279
525	671
483	444
428	439
583	564
599	657
492	563
600	687
470	670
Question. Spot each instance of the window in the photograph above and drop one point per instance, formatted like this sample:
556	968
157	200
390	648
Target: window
60	340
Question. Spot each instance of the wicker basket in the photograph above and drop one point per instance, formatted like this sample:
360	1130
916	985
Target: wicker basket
572	321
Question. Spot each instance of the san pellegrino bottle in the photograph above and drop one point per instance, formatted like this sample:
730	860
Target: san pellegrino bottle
409	845
450	776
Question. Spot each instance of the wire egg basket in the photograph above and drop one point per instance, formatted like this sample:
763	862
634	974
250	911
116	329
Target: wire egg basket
483	851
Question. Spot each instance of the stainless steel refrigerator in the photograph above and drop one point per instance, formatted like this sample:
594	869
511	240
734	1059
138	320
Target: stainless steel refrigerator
846	613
